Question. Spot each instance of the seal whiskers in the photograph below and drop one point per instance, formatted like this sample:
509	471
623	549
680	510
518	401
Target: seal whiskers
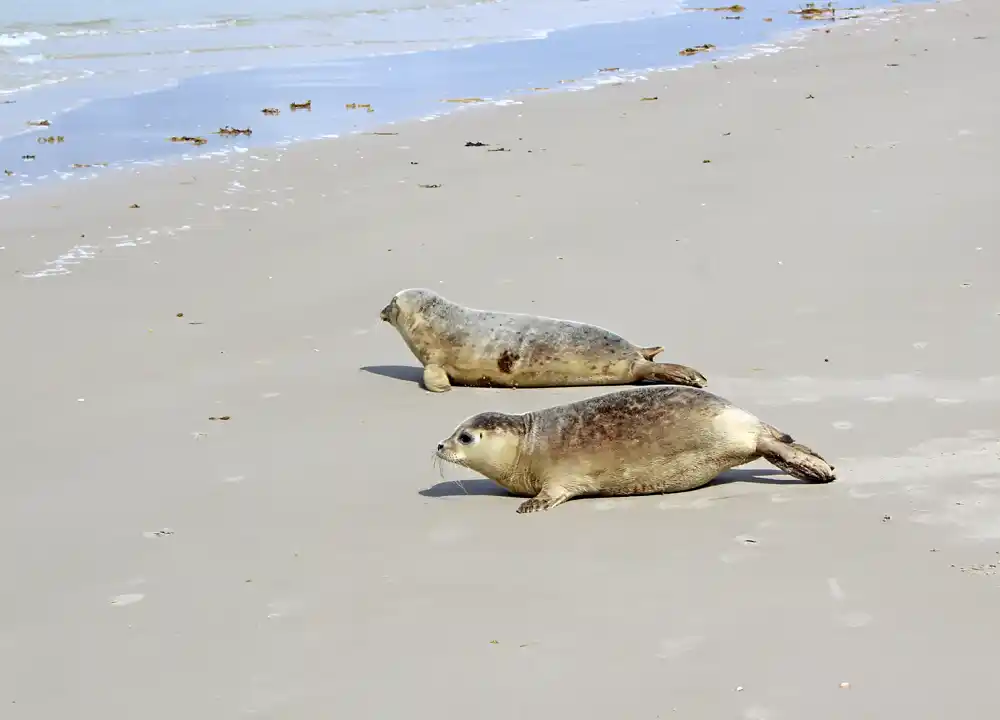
654	439
436	461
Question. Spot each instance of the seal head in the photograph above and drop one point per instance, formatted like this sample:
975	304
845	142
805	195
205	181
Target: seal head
491	444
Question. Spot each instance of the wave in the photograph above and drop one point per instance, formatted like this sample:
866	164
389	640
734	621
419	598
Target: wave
20	39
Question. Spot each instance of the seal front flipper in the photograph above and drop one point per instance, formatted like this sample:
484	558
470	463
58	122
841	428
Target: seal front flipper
669	373
550	496
794	458
436	379
650	352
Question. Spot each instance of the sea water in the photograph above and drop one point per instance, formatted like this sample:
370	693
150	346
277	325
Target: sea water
116	78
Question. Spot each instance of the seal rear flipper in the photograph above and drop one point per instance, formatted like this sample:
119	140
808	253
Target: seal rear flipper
795	458
669	373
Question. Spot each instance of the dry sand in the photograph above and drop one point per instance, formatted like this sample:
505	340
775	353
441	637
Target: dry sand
833	269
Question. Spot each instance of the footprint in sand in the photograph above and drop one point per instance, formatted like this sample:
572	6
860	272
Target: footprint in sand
605	505
283	608
855	619
747	541
859	494
126	599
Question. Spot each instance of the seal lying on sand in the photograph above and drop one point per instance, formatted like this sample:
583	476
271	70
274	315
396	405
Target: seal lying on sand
463	346
658	439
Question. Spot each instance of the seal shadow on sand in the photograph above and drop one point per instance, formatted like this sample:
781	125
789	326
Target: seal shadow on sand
479	486
407	373
414	374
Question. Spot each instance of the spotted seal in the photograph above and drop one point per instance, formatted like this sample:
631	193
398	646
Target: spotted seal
655	439
463	346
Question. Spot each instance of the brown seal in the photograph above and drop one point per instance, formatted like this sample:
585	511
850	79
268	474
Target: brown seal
463	346
657	439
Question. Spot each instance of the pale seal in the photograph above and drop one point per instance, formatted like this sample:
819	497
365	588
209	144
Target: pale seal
657	439
463	346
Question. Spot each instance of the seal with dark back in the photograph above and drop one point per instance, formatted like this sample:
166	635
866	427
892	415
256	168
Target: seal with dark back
464	346
656	439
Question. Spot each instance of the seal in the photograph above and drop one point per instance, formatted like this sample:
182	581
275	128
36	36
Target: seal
655	439
463	346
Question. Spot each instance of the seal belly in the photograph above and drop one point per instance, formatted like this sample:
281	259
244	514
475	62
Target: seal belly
649	440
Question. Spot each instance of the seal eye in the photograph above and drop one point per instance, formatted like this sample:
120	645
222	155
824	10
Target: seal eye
466	438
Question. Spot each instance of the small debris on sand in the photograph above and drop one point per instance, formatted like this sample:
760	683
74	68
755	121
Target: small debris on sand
687	52
231	131
812	11
475	143
464	100
39	123
188	139
307	105
430	187
728	8
271	111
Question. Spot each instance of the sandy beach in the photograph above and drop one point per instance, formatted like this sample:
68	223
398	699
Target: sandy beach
816	230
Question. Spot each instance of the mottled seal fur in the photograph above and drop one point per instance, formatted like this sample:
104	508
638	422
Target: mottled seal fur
463	346
656	439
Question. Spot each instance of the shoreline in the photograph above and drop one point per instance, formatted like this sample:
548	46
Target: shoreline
830	268
133	129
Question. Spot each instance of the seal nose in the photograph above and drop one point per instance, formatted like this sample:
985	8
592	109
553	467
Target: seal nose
440	446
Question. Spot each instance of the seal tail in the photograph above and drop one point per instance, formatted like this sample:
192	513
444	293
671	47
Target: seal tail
669	373
799	461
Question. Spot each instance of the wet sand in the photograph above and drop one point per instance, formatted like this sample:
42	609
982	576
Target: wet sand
832	269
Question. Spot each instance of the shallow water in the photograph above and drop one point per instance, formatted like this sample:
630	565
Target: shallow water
116	78
135	45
